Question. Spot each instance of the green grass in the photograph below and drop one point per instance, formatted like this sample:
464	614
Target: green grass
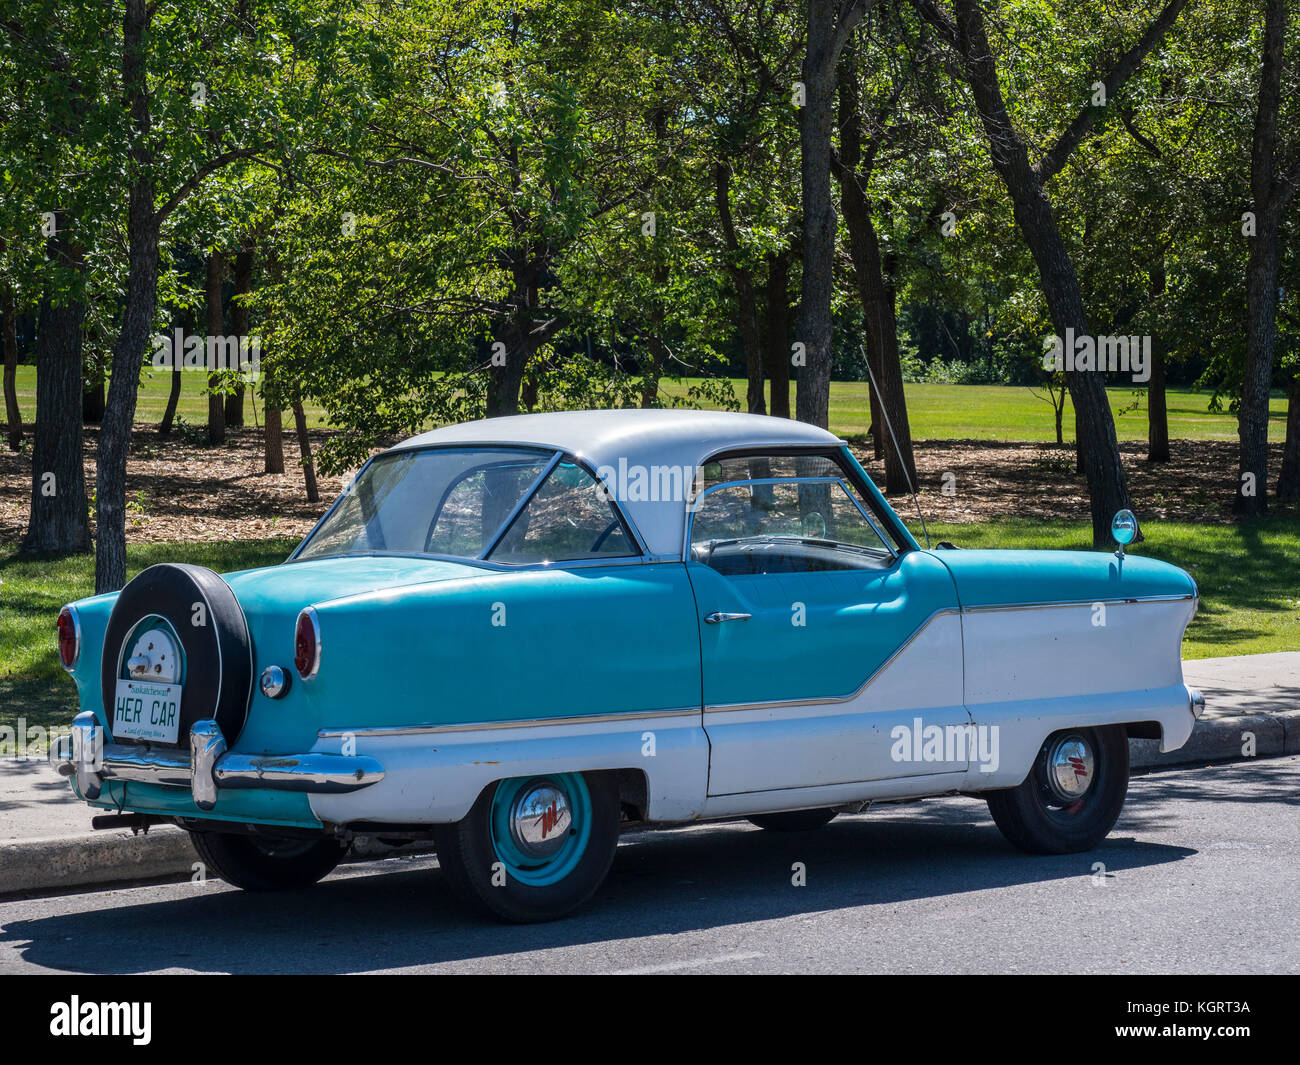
33	684
1248	578
192	406
1007	412
936	412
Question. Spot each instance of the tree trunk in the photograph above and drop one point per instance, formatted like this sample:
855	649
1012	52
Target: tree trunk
92	397
173	398
13	413
216	319
274	449
1270	197
776	341
518	334
174	394
239	327
1261	333
304	446
1157	408
1098	448
1157	405
137	321
656	349
816	119
875	292
58	522
1288	482
273	438
742	280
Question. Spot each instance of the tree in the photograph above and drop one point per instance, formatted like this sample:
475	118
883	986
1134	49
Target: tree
964	31
1273	182
829	24
853	168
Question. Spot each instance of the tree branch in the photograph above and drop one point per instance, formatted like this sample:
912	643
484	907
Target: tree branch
198	177
1050	164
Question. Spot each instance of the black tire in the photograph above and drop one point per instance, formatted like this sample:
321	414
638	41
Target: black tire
267	863
794	820
206	618
477	875
1037	820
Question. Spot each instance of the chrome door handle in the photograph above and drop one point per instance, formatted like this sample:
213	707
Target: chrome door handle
717	616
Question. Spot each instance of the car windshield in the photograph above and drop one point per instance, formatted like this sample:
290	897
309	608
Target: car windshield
515	506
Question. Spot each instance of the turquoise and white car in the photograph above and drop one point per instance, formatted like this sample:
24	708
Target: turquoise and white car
515	636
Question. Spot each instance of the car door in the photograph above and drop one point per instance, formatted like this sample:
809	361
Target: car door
820	664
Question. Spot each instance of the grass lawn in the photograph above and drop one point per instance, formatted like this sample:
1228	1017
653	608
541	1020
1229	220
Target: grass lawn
152	402
33	683
1247	574
1007	412
936	412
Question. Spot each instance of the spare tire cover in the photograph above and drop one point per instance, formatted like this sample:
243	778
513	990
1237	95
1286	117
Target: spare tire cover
217	652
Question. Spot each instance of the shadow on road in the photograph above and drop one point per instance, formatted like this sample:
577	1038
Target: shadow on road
399	913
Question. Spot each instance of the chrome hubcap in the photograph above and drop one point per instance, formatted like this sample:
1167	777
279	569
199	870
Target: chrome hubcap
1071	765
540	819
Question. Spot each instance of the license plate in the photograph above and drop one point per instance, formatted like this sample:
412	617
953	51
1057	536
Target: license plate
147	710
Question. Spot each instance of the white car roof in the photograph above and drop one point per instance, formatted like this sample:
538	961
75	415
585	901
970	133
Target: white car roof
622	439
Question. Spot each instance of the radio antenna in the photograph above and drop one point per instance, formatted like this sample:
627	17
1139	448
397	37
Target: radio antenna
884	410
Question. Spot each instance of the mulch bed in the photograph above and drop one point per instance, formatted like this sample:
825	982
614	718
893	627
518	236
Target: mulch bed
178	489
991	480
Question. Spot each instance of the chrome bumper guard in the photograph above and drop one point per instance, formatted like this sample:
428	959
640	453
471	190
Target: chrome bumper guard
206	768
1196	701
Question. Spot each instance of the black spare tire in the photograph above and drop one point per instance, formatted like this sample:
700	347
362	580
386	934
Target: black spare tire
216	652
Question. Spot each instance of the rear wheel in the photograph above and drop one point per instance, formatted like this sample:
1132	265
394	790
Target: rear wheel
533	848
1073	795
794	820
267	863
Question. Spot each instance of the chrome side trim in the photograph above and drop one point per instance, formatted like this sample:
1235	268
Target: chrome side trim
1078	602
724	708
484	726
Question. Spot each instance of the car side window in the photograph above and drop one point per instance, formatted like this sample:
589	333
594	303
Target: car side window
783	514
569	517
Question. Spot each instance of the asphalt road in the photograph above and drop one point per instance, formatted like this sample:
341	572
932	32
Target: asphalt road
1202	874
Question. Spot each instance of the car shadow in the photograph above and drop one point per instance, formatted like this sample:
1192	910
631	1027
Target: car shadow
400	913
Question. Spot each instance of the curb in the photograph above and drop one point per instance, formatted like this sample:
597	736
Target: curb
55	864
61	862
1222	739
97	858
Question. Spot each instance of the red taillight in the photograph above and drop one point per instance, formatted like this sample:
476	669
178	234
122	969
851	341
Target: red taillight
69	638
306	645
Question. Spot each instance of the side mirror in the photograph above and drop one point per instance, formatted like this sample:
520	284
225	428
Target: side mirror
1124	530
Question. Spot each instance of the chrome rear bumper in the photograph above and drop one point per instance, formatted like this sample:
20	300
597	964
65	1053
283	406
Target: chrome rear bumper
206	768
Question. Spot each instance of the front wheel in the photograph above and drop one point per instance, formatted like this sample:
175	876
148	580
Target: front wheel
1072	796
533	848
266	863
